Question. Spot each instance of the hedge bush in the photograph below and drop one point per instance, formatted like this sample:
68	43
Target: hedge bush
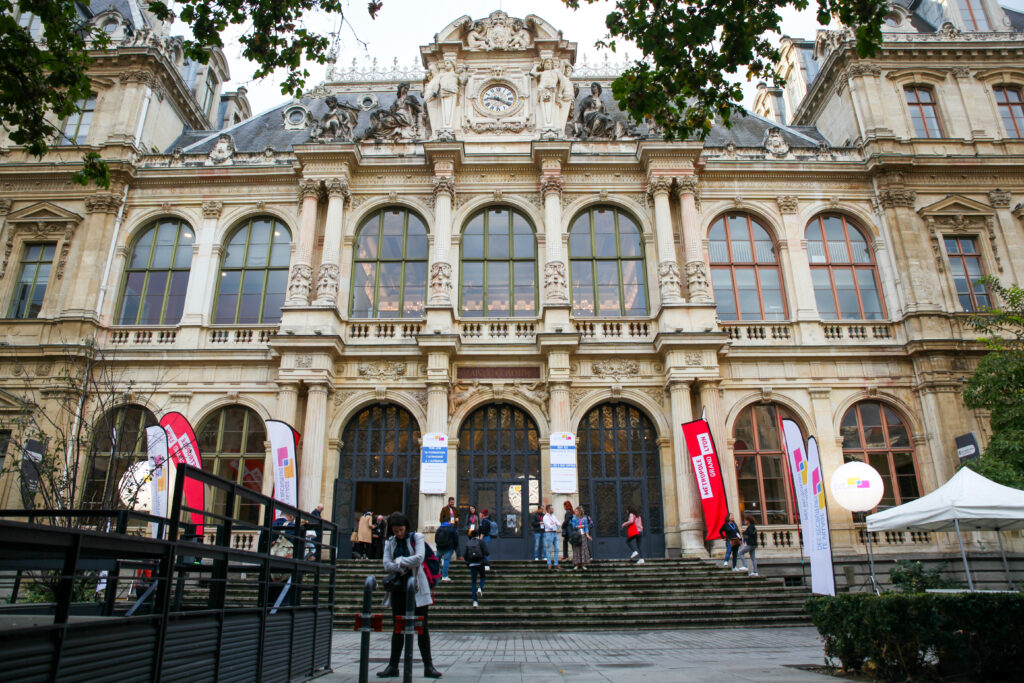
901	636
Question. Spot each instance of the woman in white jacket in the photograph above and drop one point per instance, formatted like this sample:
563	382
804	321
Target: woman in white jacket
403	556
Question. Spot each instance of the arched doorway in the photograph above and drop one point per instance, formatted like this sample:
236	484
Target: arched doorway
378	468
618	461
499	470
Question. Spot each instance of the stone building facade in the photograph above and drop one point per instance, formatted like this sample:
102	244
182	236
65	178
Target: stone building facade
485	247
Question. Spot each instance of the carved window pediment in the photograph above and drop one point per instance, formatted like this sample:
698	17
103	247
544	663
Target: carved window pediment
959	215
41	221
956	205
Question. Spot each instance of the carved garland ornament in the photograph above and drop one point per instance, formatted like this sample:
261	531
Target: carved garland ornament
787	203
615	369
390	370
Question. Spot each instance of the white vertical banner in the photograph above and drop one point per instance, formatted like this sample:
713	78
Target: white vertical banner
823	579
434	463
797	455
284	441
159	473
563	462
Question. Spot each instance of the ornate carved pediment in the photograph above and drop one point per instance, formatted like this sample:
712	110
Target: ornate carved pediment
38	221
956	205
961	215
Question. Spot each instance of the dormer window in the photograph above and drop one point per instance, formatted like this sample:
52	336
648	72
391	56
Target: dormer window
110	27
973	14
209	87
32	24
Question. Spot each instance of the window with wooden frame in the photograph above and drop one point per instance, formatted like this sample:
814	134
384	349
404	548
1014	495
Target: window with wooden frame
924	111
965	263
33	277
1010	101
606	264
118	443
973	14
389	277
873	433
232	443
76	128
156	277
744	270
762	475
499	265
843	270
253	274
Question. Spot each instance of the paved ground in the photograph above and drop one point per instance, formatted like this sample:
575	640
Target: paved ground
654	656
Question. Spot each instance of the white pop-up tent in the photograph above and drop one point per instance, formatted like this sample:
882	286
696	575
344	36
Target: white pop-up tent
967	501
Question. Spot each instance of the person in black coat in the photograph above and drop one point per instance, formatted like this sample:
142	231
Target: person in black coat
731	533
749	546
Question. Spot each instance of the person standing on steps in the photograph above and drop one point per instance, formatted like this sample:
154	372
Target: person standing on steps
731	533
488	530
447	540
472	520
476	555
537	526
379	533
551	527
450	513
749	547
567	507
403	556
580	532
365	534
634	532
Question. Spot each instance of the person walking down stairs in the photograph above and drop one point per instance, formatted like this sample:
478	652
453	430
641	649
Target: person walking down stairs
634	532
749	547
731	533
551	528
580	540
476	555
447	540
537	527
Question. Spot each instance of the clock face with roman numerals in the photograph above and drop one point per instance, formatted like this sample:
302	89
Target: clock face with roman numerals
498	98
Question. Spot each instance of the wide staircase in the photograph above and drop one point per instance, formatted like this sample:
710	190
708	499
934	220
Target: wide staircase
610	595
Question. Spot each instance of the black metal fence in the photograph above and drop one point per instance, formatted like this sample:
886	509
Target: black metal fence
120	595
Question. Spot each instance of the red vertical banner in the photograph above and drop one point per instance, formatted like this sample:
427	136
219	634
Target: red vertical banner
700	448
182	447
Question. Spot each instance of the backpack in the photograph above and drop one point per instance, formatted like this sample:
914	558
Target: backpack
431	565
474	553
492	528
443	538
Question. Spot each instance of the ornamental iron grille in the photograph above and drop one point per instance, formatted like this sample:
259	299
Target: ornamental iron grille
499	471
619	465
379	445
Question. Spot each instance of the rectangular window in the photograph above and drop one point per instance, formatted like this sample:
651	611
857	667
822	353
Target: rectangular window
31	286
923	112
1011	110
32	24
208	87
76	128
965	262
973	14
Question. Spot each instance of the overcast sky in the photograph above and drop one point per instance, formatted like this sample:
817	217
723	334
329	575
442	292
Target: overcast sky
403	25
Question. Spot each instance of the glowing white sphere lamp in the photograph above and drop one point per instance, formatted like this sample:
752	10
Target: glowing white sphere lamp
858	487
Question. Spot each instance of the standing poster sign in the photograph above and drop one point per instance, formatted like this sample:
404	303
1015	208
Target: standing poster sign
700	446
31	461
809	490
434	463
284	441
159	473
563	463
182	447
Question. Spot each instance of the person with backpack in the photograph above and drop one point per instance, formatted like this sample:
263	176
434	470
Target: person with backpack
537	527
405	554
447	539
749	547
579	539
488	530
731	533
476	556
634	532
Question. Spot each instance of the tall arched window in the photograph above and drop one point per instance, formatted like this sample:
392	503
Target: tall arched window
499	265
606	264
389	279
153	289
762	475
873	433
253	274
231	446
118	442
745	270
843	270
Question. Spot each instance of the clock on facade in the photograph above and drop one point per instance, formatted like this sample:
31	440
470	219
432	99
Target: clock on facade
498	98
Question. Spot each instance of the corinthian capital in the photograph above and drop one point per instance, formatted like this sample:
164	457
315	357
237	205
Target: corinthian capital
212	209
337	187
686	184
444	184
102	202
659	184
551	183
309	187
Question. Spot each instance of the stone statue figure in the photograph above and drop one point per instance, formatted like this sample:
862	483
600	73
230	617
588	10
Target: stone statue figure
400	121
444	86
460	393
554	90
498	32
521	38
476	38
338	123
593	121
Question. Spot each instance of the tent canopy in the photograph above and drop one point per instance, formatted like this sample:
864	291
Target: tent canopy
975	501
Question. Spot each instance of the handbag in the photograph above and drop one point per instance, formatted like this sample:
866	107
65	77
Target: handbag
395	583
575	537
734	542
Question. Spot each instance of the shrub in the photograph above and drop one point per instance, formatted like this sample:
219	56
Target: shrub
910	576
904	636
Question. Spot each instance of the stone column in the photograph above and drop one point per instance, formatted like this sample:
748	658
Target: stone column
556	279
311	464
711	402
668	267
440	264
89	248
830	453
202	274
1006	230
300	276
793	260
287	401
328	275
698	282
687	499
911	248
